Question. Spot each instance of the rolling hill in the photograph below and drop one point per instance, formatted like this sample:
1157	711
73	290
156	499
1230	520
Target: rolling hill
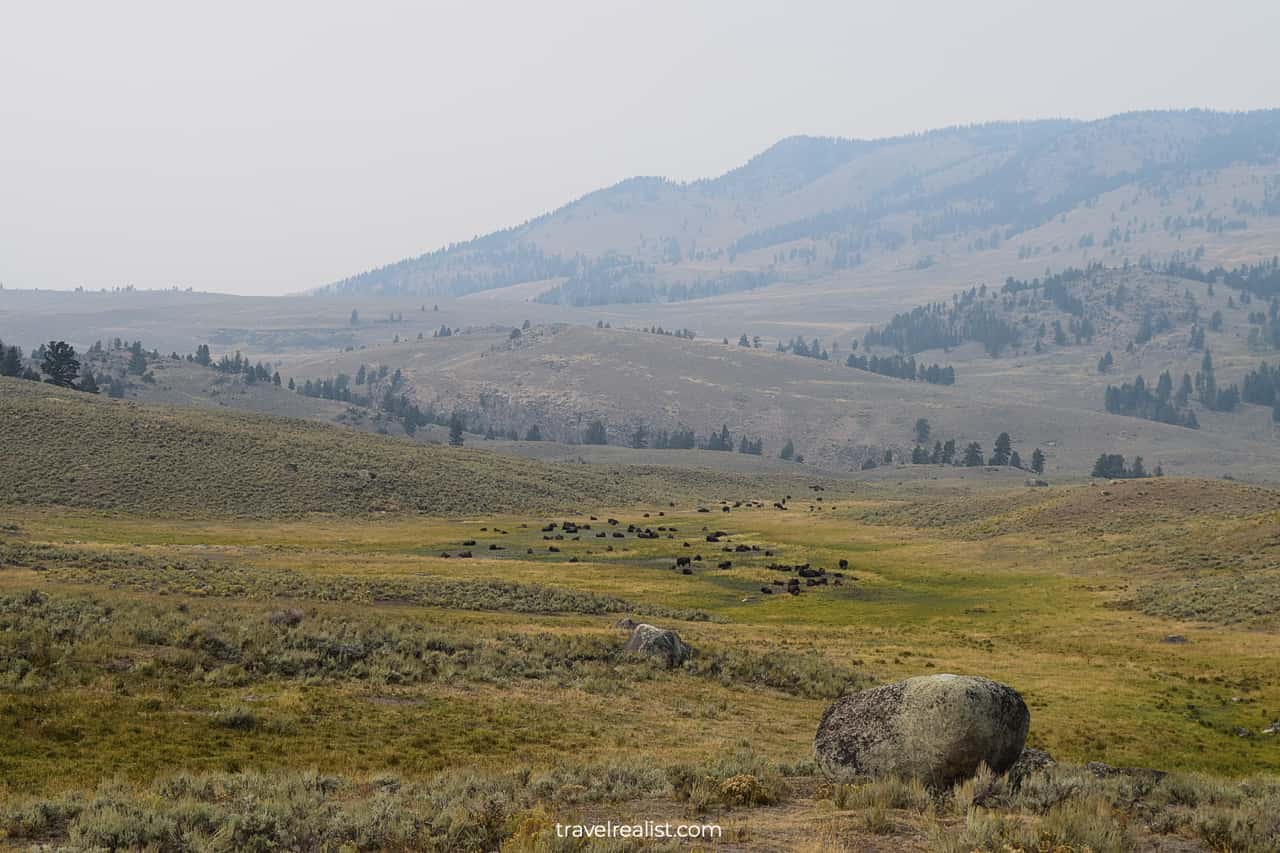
68	448
561	378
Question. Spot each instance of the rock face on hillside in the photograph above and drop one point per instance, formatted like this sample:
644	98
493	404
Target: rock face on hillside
938	728
658	642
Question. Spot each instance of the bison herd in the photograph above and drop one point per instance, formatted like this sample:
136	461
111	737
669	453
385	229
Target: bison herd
800	576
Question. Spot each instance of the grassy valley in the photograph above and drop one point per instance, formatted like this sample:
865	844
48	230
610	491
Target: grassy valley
451	676
361	568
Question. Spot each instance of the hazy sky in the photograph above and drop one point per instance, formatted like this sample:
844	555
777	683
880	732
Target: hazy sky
268	147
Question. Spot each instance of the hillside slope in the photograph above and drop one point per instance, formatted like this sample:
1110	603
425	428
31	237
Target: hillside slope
1008	197
561	378
73	449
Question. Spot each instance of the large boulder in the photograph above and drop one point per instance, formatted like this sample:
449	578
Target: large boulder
652	641
937	728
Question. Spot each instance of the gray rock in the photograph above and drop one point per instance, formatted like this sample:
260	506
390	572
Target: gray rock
1106	771
937	728
663	643
1031	761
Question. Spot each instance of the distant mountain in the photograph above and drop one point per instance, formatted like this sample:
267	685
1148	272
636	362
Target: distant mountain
1154	185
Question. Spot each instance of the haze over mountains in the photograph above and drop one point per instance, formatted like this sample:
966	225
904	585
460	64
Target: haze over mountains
1032	264
993	198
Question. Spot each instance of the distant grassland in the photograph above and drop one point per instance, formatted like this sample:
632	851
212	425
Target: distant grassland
71	449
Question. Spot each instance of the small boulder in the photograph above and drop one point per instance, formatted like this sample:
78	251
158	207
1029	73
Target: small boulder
1031	761
1105	771
937	728
658	642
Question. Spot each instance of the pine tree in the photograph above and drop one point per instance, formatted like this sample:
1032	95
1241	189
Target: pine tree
788	451
455	430
1004	447
596	433
1015	461
88	383
60	364
973	455
1037	461
534	434
922	430
10	361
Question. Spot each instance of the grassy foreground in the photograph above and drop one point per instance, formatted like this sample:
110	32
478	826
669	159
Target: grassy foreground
309	683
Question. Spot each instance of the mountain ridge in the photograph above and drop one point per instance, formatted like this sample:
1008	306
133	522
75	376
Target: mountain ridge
837	203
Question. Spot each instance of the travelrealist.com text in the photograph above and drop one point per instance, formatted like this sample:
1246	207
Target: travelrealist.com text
645	829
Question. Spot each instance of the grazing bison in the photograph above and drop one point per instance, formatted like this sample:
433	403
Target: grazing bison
469	542
686	571
725	564
844	564
682	561
465	554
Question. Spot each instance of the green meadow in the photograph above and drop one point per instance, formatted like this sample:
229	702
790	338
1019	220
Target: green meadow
139	647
